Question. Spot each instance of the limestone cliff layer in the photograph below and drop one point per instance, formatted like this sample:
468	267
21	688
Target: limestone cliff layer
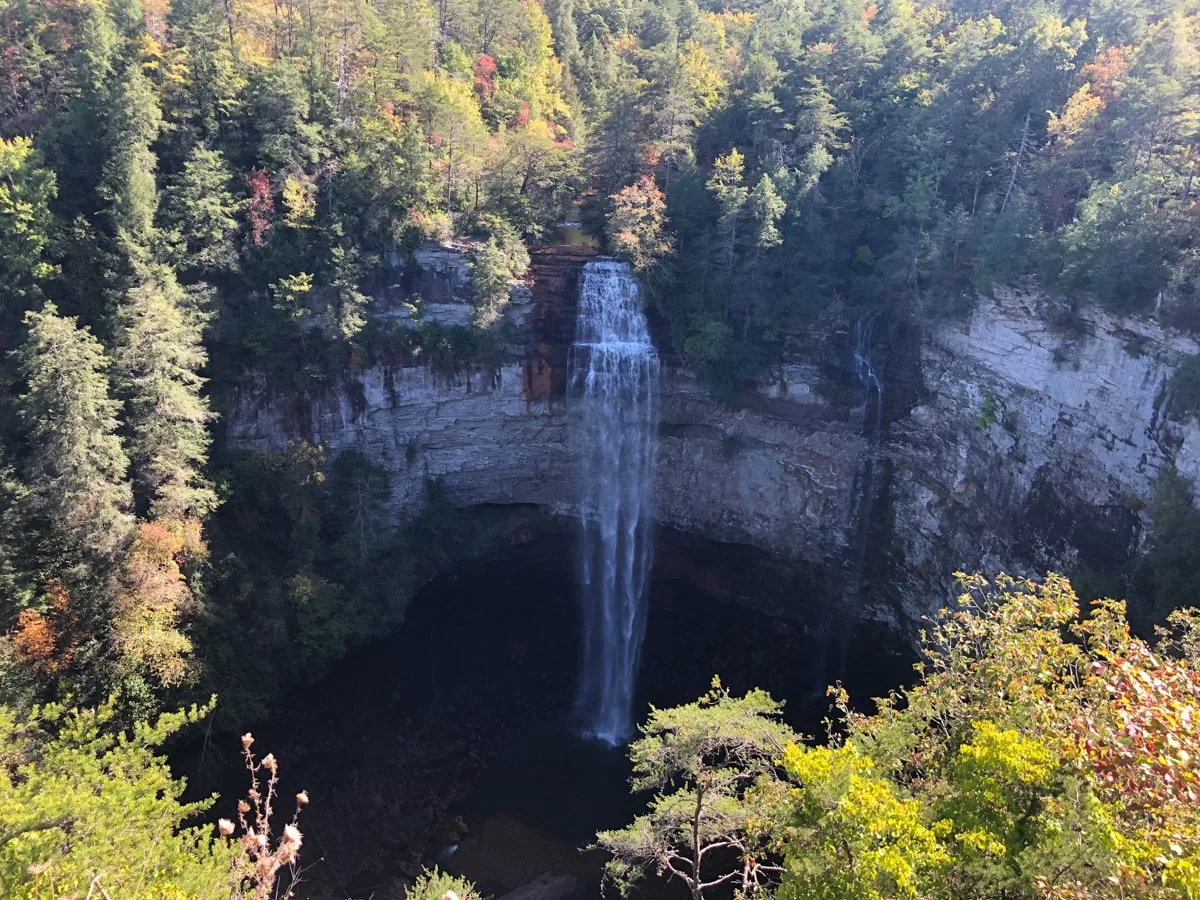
1006	444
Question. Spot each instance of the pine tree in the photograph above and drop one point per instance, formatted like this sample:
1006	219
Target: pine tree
159	354
77	465
203	212
766	208
727	184
128	181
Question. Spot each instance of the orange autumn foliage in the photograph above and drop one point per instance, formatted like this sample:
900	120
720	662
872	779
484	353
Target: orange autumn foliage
1107	72
35	638
155	597
45	638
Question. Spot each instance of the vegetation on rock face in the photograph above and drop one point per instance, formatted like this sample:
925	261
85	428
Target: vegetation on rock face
1042	753
1184	389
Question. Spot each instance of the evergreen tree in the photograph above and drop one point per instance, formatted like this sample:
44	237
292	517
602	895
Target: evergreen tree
727	185
128	181
159	355
77	465
203	212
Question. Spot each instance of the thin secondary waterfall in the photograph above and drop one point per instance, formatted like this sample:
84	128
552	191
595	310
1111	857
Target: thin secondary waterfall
614	380
864	367
868	381
829	660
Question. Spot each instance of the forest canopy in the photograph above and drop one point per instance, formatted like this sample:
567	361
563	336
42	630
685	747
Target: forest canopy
197	195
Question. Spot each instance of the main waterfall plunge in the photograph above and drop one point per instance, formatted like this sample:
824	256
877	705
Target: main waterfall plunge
614	382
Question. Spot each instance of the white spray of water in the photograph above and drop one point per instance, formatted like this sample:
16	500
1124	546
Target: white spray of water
613	378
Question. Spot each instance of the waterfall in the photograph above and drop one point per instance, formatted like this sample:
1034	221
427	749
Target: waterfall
868	381
829	661
864	368
613	377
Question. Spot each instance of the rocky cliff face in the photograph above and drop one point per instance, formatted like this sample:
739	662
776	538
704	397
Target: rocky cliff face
1015	447
742	477
1033	447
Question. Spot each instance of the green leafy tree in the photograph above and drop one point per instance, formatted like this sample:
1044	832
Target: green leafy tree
89	807
26	223
849	832
1040	754
82	808
1169	573
434	884
1120	248
491	282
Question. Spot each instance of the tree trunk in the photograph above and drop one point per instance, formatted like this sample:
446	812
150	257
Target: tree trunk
1012	182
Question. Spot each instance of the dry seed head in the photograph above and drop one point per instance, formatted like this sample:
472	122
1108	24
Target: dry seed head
225	827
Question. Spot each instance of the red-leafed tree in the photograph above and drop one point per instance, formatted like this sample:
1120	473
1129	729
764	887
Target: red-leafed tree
485	75
1145	741
261	209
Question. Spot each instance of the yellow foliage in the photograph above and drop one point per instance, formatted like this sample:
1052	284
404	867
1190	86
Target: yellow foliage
1079	114
703	81
299	198
154	598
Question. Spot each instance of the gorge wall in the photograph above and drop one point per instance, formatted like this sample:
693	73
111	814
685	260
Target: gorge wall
1005	444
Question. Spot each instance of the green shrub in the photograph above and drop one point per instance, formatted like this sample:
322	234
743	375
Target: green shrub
86	810
434	884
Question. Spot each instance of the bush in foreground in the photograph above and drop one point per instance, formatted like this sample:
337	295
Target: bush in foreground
1042	753
88	810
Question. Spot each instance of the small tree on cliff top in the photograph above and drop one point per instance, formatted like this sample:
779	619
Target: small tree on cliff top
710	764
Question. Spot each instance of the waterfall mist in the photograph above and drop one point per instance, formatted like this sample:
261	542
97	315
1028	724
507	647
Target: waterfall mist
614	384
